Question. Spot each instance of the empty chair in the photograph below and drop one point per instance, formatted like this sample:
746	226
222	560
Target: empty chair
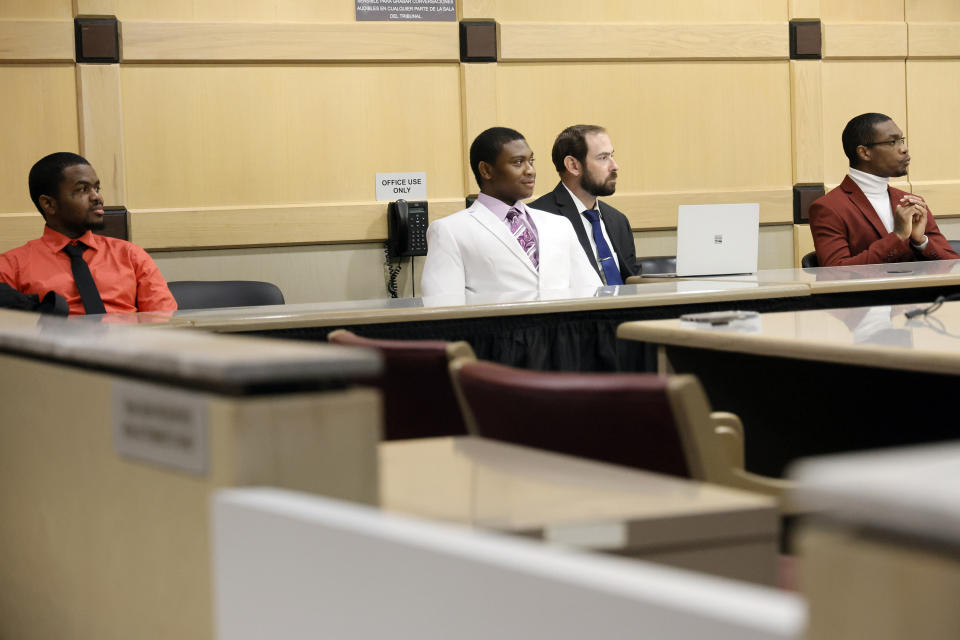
418	398
657	264
213	294
652	422
809	260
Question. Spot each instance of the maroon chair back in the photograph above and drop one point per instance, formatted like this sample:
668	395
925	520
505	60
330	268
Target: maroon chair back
418	397
621	418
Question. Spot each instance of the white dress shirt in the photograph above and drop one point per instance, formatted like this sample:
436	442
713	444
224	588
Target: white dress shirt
589	227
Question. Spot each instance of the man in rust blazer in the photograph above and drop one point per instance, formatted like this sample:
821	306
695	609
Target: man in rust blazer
866	221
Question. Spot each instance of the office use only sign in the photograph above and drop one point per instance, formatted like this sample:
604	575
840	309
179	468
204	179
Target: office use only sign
407	10
411	185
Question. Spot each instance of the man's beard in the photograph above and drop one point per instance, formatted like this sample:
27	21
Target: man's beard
597	188
97	225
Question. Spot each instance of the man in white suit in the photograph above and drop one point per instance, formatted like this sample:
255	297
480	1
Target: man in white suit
499	244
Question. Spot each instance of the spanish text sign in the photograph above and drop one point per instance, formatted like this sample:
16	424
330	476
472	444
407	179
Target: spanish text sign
407	10
408	186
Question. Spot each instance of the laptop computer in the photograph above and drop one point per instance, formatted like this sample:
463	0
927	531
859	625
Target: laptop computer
717	239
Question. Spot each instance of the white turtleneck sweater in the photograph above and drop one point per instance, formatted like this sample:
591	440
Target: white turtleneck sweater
875	188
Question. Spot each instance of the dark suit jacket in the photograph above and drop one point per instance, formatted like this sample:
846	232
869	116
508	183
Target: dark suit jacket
559	202
847	230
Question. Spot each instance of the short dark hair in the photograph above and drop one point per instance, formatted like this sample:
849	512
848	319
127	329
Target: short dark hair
860	131
47	173
488	145
572	141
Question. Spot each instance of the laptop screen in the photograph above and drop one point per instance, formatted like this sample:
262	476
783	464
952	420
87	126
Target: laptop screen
717	239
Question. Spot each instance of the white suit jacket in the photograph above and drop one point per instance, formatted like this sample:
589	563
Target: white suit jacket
473	251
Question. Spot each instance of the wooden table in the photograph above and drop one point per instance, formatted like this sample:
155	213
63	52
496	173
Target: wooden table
812	382
570	501
886	537
112	440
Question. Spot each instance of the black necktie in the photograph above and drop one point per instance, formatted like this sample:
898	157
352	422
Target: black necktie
81	275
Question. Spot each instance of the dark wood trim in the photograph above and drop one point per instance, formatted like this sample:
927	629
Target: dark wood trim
97	39
478	41
805	40
804	196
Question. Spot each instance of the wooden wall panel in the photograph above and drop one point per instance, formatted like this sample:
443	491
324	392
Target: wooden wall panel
206	135
935	132
932	11
806	98
694	11
264	225
934	40
38	115
36	40
873	11
865	40
725	127
804	9
852	87
478	101
101	127
36	10
237	10
599	41
242	42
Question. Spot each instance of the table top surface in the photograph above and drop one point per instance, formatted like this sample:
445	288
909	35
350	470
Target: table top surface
480	305
880	336
183	356
495	485
913	491
868	277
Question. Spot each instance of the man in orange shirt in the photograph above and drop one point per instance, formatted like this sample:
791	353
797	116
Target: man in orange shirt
95	274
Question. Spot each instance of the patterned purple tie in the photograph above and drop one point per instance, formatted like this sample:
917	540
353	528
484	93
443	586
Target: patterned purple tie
520	231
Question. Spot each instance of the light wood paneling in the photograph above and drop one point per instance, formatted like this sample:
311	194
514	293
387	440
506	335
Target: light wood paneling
96	7
934	40
101	127
38	115
802	243
616	11
599	41
659	210
676	127
36	40
35	10
933	95
236	136
933	10
804	9
234	41
943	196
268	225
237	10
806	98
873	11
17	228
934	131
470	9
854	87
865	40
478	100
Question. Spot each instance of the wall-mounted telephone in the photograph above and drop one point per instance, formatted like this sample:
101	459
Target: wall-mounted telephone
407	228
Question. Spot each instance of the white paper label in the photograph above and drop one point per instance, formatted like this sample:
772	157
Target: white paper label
407	186
160	424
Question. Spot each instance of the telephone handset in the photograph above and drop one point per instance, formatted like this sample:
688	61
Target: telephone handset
407	228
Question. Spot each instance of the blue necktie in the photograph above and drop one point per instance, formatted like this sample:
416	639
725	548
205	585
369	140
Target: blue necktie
611	272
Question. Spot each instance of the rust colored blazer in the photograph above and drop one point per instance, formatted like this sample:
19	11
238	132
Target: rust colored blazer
847	231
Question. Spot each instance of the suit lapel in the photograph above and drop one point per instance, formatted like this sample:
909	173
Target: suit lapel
860	201
489	221
569	210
